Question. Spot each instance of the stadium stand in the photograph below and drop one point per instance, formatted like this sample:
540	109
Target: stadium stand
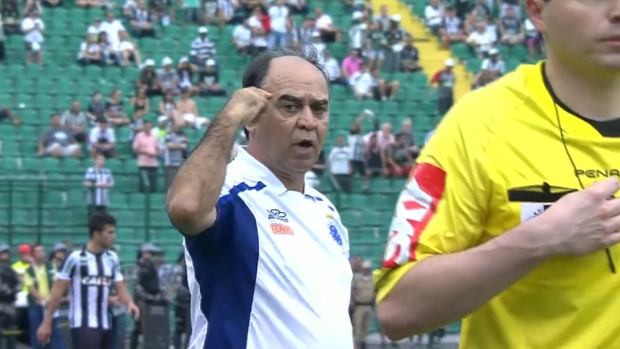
43	198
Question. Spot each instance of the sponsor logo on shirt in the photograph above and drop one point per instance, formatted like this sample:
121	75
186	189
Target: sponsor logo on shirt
281	229
96	281
274	213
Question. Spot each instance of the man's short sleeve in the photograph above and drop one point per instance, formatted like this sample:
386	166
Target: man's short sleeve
67	268
441	210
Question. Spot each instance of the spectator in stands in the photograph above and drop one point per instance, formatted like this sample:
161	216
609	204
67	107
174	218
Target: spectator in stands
210	12
533	39
445	80
358	32
383	90
209	80
297	7
512	30
482	10
375	45
384	136
140	104
114	109
332	68
362	83
305	33
161	11
375	160
95	28
2	46
10	17
397	157
325	26
99	180
242	38
319	166
351	65
58	142
188	110
109	55
226	11
319	45
433	16
339	162
409	57
394	37
167	76
102	140
57	255
90	51
168	107
357	144
145	146
410	141
383	17
6	113
480	40
259	33
506	5
176	147
148	79
185	75
203	46
128	8
127	50
32	5
494	63
278	15
34	31
76	122
96	109
113	28
142	21
191	11
451	28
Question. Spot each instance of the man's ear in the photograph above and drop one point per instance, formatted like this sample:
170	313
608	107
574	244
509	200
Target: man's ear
534	12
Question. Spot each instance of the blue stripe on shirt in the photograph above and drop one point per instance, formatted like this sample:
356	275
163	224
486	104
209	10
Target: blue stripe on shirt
225	261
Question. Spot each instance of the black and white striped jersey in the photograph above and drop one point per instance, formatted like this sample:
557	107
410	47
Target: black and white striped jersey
91	276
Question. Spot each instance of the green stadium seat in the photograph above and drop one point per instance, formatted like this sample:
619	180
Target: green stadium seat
137	200
8	165
10	148
30	164
7	132
16	71
118	200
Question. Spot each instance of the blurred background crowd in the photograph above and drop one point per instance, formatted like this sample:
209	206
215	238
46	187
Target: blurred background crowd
102	100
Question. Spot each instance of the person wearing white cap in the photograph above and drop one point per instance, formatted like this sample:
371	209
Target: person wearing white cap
34	31
202	46
128	50
494	63
148	79
185	73
319	45
445	80
357	33
209	80
167	76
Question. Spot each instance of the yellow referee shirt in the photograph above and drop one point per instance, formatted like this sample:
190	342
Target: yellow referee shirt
497	160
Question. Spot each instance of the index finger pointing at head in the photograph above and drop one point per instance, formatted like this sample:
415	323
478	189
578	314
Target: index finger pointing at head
264	93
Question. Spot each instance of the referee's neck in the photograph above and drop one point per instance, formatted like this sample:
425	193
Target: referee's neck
591	92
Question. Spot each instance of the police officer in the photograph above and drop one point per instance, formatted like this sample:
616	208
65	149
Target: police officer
146	286
10	286
182	305
363	303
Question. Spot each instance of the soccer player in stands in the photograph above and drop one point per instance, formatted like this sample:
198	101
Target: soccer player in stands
509	217
89	273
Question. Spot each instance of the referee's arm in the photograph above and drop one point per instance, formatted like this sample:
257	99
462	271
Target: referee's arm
448	274
193	195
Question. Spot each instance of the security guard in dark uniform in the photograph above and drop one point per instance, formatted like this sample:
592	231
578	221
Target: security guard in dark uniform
10	285
146	286
182	305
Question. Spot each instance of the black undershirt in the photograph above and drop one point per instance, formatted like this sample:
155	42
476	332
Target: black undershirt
608	128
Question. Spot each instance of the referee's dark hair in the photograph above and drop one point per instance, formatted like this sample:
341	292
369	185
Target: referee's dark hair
256	72
98	221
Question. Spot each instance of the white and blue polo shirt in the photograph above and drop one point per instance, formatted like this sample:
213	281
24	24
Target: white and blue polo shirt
273	271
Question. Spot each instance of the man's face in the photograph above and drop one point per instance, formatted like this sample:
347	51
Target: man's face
141	5
399	141
318	12
25	257
55	120
510	12
107	236
75	107
146	256
280	2
109	16
384	10
60	255
435	3
340	140
100	161
103	125
97	97
4	257
407	126
290	132
386	128
582	33
38	253
148	126
480	27
376	72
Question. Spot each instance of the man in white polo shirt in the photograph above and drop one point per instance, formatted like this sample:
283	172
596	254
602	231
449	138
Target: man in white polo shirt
267	255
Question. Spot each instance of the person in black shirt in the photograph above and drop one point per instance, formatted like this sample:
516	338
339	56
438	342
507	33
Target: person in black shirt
9	287
512	30
148	79
409	57
210	80
113	109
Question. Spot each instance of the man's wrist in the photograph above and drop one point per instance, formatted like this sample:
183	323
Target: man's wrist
528	239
